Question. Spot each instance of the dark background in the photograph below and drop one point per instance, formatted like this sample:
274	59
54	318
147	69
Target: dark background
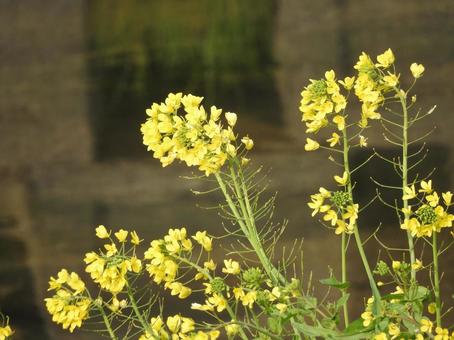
76	77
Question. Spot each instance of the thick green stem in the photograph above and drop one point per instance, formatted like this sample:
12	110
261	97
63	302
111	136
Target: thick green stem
146	326
247	226
411	246
107	323
359	243
344	276
436	279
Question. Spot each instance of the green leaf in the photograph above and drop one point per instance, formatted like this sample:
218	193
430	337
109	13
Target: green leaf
342	301
333	282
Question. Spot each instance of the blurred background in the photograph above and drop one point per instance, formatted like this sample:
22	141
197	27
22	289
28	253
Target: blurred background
76	78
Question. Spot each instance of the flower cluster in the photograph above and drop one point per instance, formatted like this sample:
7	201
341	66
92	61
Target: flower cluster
337	207
176	327
165	257
429	216
69	306
320	100
196	138
110	267
5	329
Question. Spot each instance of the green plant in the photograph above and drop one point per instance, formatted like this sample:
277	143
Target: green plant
249	301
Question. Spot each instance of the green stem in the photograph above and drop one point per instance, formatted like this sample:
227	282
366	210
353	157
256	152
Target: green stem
248	227
344	276
146	326
107	323
436	279
411	246
359	243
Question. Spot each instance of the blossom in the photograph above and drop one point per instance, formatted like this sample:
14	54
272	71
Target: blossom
417	70
342	180
425	325
248	143
385	59
203	240
181	129
231	118
348	82
101	232
409	193
362	141
340	122
334	140
135	238
232	329
320	99
68	306
311	145
231	267
121	235
5	332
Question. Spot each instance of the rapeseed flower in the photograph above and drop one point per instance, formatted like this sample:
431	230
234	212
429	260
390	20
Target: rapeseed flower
69	306
181	129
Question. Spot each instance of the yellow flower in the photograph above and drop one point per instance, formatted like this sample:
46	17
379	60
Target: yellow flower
391	80
331	215
249	298
334	140
111	249
447	196
135	238
187	325
386	59
101	232
409	193
121	235
281	307
203	240
381	336
426	187
342	180
416	70
432	308
426	325
433	199
218	301
232	329
442	334
231	118
348	82
311	145
231	267
248	143
367	317
245	161
5	332
417	265
135	264
396	265
362	141
174	323
340	121
210	265
68	310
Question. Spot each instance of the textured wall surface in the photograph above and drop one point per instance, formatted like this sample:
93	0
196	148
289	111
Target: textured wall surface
53	193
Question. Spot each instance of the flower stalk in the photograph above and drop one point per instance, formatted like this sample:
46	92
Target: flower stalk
436	277
411	246
359	243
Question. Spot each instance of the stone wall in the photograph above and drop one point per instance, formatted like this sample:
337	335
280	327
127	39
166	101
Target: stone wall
43	102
